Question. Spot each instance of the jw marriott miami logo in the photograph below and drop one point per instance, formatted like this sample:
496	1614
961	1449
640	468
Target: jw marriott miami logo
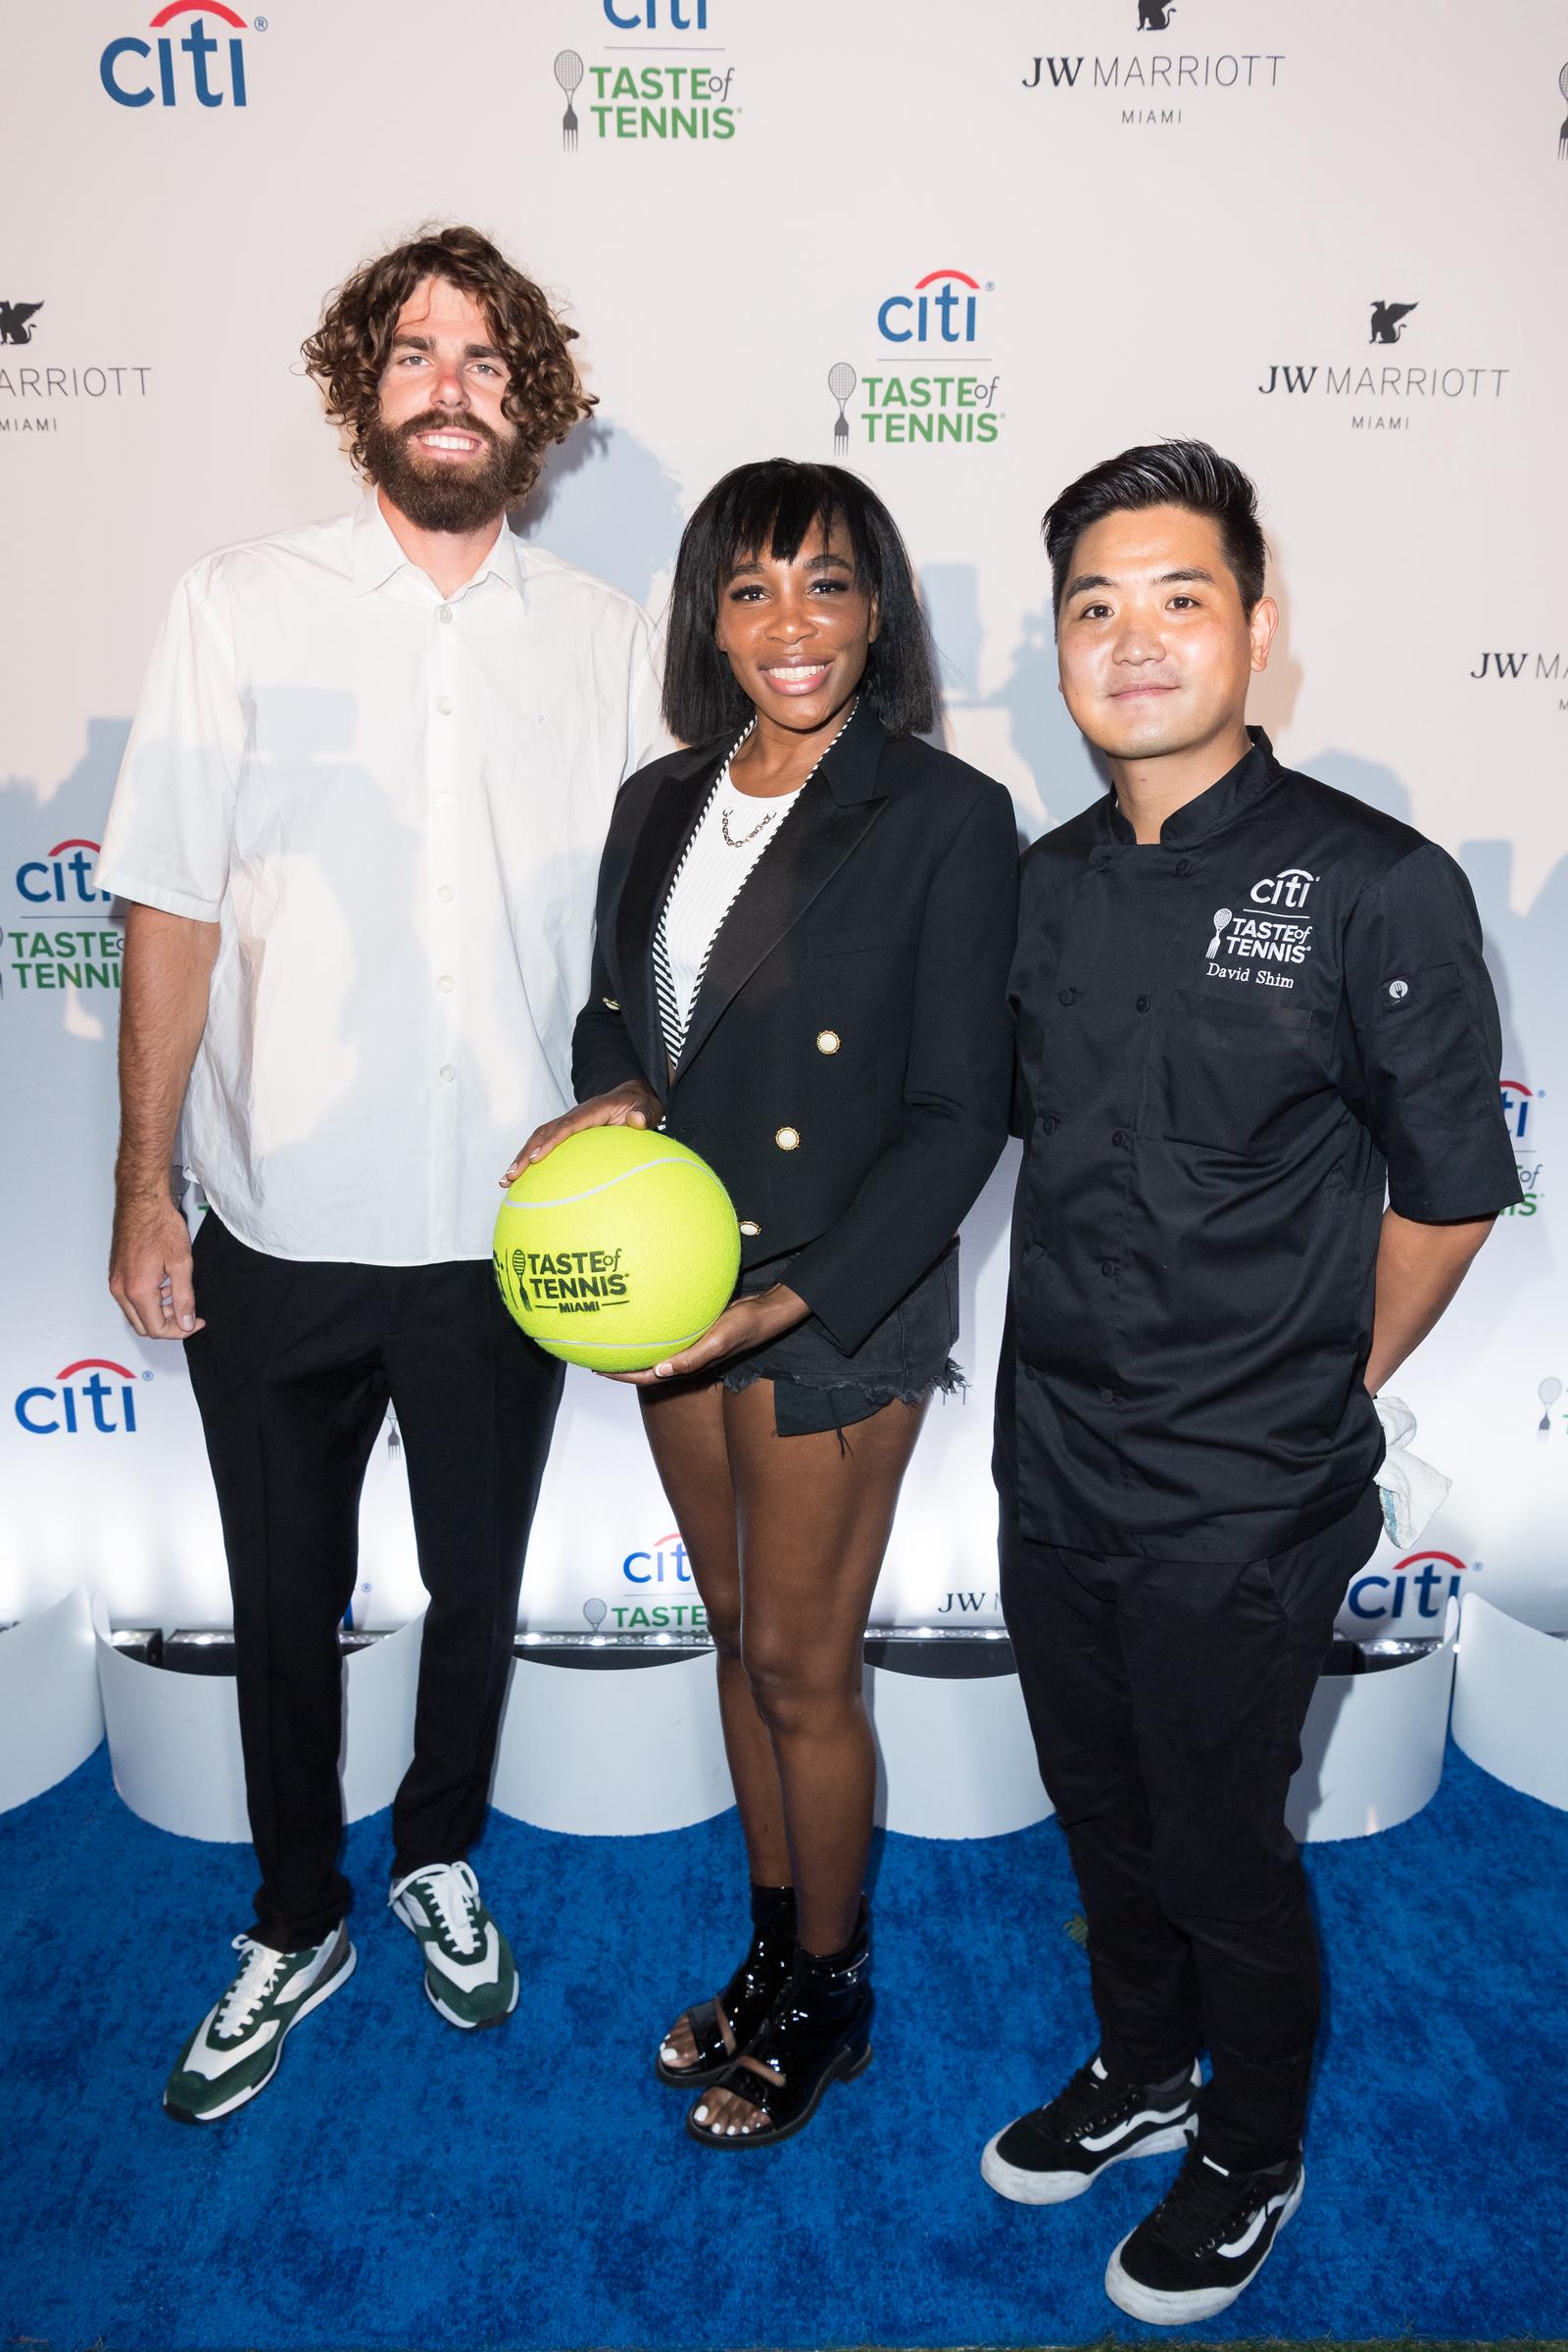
34	398
1152	86
1385	396
633	91
1525	668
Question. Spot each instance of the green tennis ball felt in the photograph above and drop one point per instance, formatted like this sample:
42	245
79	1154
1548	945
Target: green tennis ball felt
617	1249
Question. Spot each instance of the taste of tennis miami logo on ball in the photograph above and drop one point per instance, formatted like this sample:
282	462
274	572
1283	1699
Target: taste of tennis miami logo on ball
1410	1597
569	1282
930	379
80	1401
641	87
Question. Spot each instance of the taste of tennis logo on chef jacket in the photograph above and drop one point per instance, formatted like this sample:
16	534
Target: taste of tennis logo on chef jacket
1266	934
660	77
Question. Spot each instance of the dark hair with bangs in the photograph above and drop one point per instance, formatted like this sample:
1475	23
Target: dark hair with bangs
773	505
1162	474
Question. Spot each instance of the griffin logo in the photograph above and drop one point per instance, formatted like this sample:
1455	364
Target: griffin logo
1386	321
16	320
1154	16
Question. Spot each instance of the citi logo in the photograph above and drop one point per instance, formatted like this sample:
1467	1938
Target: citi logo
62	876
944	308
1288	888
63	1410
197	66
680	16
668	1563
1417	1589
1518	1103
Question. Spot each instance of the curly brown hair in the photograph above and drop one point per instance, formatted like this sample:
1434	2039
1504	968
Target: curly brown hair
348	352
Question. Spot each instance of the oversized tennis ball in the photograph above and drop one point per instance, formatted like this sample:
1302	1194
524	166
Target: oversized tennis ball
617	1249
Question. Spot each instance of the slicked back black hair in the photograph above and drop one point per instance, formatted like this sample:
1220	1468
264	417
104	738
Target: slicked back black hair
773	507
1161	473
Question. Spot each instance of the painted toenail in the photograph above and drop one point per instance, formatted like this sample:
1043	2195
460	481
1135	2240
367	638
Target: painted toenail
700	2115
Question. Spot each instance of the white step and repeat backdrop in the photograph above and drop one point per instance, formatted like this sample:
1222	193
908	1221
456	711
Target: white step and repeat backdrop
967	248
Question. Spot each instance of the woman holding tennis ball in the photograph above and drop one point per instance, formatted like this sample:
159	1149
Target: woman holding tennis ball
805	922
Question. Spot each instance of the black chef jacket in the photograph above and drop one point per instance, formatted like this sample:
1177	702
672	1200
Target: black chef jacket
1229	1043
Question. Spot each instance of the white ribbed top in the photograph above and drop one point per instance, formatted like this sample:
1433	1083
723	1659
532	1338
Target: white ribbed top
707	881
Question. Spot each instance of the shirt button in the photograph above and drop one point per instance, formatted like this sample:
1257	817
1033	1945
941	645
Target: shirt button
444	705
443	800
828	1041
445	894
1118	1136
447	1073
1067	995
446	984
788	1139
444	613
750	1227
1142	1004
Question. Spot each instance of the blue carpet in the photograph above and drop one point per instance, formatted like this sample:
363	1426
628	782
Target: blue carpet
402	2185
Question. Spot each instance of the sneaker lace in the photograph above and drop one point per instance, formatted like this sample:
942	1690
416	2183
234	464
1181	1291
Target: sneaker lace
236	2011
1089	2099
452	1896
1204	2206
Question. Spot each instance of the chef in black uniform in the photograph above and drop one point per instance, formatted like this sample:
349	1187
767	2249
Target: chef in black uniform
1251	1012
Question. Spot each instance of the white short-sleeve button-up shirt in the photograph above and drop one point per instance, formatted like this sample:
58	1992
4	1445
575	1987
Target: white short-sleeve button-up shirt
392	804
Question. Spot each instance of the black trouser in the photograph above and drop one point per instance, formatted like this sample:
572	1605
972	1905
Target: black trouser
1166	1701
292	1376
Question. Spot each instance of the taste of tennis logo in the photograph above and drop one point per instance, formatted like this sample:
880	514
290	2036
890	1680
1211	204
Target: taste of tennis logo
633	92
1162	83
1521	1108
1390	396
932	379
569	1281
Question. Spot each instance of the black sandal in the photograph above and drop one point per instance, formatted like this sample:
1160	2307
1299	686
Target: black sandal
815	2035
745	2000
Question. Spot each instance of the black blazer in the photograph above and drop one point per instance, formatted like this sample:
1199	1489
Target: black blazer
847	1069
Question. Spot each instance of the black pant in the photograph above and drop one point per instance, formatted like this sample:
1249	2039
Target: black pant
292	1377
1166	1701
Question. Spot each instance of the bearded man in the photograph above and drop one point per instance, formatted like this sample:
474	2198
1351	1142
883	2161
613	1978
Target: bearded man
357	826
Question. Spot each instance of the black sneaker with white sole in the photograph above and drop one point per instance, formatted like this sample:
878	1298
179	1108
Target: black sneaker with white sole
1059	2150
1205	2242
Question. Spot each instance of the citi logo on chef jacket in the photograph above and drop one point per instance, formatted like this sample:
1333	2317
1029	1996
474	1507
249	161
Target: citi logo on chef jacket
94	1396
1265	931
1412	1595
198	68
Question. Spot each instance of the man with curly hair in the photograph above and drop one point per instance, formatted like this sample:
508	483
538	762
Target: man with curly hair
358	826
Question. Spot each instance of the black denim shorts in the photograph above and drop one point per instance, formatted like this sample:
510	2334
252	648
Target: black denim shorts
817	1387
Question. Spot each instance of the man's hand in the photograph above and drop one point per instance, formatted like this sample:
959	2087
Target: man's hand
746	1323
149	1268
633	1104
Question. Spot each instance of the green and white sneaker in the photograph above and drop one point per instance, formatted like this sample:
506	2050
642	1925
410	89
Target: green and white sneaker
234	2051
469	1969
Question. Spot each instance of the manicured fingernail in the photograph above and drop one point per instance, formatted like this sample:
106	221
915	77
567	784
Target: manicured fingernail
187	1322
663	1371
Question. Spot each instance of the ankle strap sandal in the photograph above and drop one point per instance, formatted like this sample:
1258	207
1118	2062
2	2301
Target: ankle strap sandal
723	2027
816	2034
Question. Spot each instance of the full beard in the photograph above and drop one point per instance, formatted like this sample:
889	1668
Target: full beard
441	494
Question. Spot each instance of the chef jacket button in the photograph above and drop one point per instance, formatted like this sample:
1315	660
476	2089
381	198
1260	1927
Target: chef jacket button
1142	1004
1118	1137
828	1041
1030	1373
1108	1265
1184	865
750	1228
1398	990
1108	1396
610	1003
788	1139
1037	1249
1067	995
1050	1125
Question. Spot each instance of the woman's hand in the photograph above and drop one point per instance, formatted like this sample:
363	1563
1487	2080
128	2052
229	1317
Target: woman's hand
633	1104
746	1323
